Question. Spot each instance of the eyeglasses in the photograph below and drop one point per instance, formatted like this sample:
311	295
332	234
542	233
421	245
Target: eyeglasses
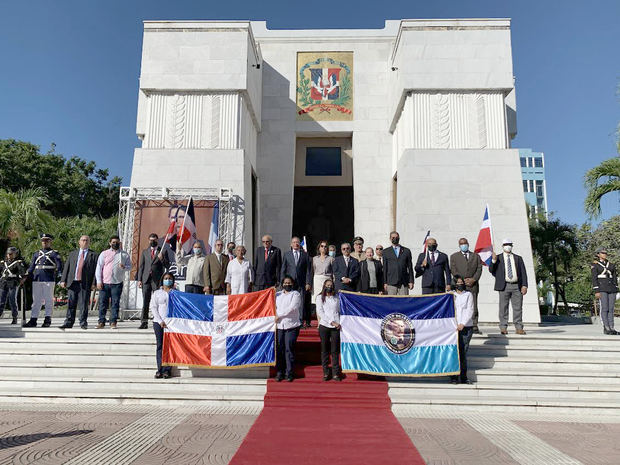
346	248
322	246
379	248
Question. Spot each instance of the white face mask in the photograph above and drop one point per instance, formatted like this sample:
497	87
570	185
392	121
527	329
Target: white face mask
507	248
197	250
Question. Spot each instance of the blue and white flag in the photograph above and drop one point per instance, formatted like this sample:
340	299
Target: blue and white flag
402	336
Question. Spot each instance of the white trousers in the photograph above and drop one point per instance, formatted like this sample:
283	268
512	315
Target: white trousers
42	294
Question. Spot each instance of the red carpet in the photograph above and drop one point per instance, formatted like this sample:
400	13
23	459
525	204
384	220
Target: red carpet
309	421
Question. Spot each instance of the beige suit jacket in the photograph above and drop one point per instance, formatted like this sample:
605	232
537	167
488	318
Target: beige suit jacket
214	272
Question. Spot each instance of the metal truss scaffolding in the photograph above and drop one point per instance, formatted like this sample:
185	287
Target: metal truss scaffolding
126	227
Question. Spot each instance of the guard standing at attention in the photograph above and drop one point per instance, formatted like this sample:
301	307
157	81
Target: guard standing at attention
44	268
12	270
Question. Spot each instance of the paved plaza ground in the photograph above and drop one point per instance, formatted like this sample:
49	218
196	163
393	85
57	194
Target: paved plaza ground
149	435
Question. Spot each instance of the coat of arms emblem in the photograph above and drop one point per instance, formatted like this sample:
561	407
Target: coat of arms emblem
325	86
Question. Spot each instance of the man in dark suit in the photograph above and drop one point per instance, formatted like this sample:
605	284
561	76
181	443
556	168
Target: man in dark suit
371	274
214	270
434	268
78	277
346	270
397	268
296	264
153	265
267	264
468	265
511	283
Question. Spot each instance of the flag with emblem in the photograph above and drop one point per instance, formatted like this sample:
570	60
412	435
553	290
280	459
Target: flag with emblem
225	331
398	336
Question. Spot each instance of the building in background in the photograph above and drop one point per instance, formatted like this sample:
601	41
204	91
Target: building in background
534	185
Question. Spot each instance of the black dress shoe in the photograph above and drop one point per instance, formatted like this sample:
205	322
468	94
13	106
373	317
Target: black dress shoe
454	380
279	377
66	326
290	378
158	375
466	381
166	375
326	377
84	326
613	332
337	378
14	321
47	322
144	326
477	330
32	323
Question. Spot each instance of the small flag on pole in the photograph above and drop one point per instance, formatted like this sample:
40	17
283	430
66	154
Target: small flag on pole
484	243
428	234
304	245
214	232
188	228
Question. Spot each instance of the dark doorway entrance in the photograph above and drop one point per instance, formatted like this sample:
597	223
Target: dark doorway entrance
323	213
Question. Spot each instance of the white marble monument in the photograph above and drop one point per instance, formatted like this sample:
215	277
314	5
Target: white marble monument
360	131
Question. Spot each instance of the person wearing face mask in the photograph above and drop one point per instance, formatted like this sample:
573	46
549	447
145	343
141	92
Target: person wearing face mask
230	248
153	263
331	250
434	267
159	309
112	265
288	314
464	312
371	274
297	264
44	268
511	283
467	264
397	268
605	284
328	311
195	262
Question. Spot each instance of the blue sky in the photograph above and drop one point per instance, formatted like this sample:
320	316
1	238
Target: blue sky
70	72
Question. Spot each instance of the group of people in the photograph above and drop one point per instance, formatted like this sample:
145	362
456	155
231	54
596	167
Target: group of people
306	283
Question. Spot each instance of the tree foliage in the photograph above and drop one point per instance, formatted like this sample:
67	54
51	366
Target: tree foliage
600	181
69	186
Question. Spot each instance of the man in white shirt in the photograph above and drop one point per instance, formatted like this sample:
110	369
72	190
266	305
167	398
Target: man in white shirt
511	283
112	265
288	309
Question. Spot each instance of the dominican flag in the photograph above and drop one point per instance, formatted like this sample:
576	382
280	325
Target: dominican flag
304	244
398	336
220	331
484	243
187	235
214	231
428	234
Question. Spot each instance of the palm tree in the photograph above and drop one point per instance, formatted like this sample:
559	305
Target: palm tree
609	169
21	214
553	243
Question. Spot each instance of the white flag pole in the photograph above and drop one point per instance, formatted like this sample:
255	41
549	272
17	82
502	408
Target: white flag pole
179	245
491	228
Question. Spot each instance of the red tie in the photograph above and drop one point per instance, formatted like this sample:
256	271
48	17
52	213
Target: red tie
152	253
266	254
80	265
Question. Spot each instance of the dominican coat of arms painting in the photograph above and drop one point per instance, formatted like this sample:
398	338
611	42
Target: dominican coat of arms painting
325	86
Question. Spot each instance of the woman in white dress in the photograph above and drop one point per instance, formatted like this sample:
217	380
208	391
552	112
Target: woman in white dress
239	274
322	264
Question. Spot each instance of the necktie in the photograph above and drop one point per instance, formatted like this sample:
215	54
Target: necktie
433	258
346	261
509	265
80	264
152	253
396	251
296	257
266	254
466	255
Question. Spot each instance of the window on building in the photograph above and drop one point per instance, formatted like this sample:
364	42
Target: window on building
538	162
539	189
323	161
523	162
529	162
524	184
540	201
532	211
531	184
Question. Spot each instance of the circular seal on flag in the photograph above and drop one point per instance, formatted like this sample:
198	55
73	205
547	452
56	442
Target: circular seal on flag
219	329
397	333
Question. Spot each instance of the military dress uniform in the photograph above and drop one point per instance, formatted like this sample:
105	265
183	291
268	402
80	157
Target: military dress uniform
11	272
605	282
44	269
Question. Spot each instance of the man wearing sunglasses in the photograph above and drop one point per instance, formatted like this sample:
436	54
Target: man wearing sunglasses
346	270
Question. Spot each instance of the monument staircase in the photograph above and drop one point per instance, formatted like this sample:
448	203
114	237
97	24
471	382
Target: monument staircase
550	369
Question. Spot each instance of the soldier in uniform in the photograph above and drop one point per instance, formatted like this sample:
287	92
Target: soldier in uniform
12	270
44	269
605	284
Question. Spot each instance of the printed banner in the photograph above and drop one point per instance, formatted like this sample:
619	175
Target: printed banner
398	336
228	331
325	86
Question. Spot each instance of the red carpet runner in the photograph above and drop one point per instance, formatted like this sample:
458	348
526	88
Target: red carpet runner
309	421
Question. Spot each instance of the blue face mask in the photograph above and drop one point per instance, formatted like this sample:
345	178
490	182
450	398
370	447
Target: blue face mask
332	253
197	250
464	247
168	282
